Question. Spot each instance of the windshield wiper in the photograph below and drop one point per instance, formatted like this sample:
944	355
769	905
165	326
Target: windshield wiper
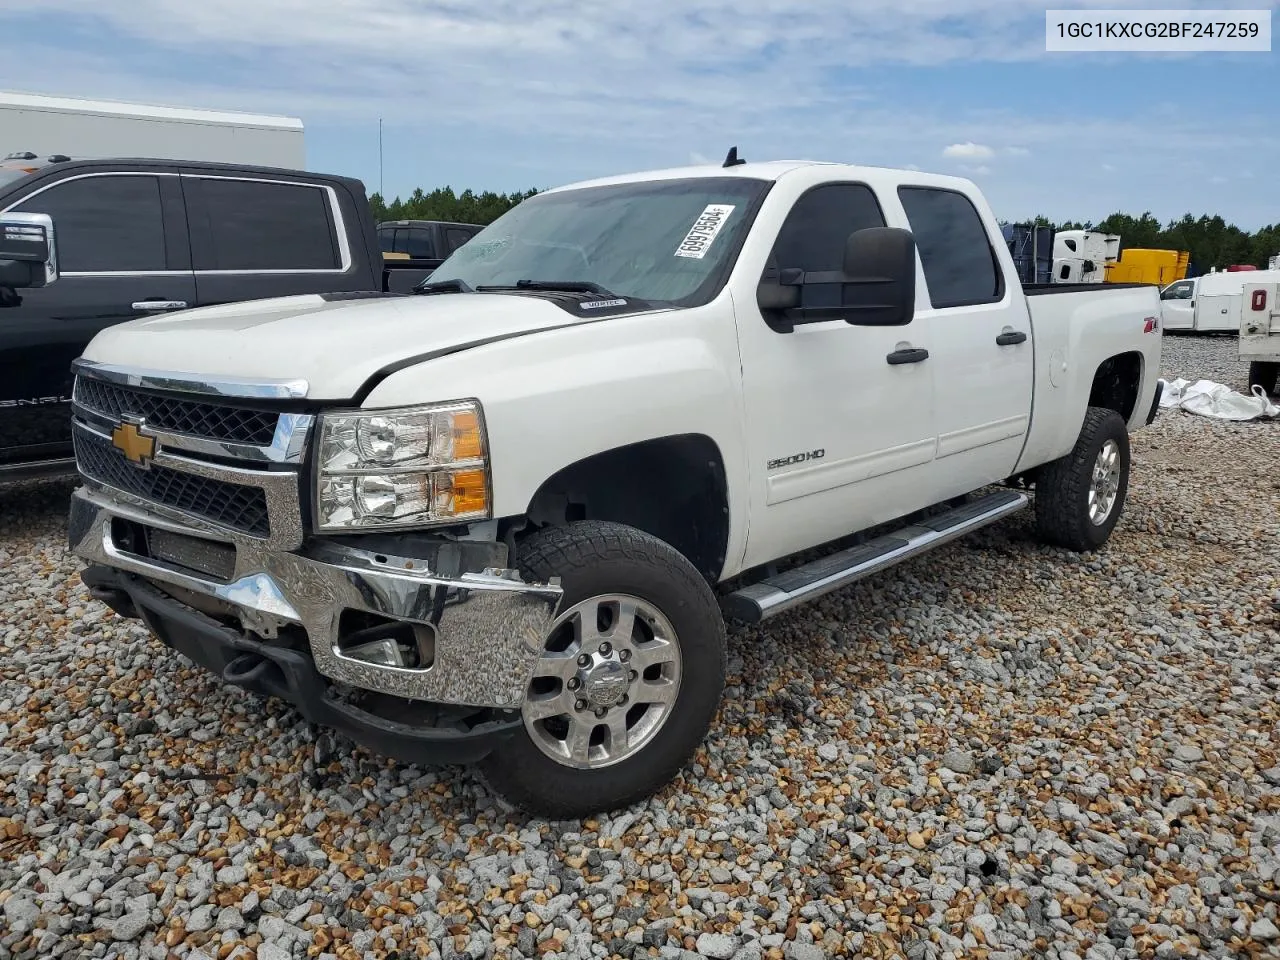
568	286
443	286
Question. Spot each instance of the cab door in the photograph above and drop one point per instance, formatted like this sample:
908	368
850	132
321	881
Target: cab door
1178	305
839	418
122	253
983	353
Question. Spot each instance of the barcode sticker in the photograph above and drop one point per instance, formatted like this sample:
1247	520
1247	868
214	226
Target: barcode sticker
703	232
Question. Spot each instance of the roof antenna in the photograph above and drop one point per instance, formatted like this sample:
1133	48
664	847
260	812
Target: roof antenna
732	159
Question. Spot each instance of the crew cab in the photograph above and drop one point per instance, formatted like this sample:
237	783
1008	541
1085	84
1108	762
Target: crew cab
133	238
503	520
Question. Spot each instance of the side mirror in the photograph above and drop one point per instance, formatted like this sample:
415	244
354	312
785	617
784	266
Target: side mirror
875	288
880	272
28	251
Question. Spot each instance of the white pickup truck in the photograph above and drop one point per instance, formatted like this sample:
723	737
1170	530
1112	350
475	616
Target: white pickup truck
501	520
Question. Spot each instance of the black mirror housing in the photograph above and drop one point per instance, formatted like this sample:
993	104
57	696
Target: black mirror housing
879	288
876	286
19	274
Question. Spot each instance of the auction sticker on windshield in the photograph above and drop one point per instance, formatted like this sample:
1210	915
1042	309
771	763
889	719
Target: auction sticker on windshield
704	231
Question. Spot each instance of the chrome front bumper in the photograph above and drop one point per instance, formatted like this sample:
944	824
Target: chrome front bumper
489	626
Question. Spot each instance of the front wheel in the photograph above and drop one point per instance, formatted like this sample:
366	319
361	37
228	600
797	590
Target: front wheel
630	676
1079	497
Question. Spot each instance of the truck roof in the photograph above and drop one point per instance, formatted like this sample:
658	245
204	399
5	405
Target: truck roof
144	111
240	169
774	170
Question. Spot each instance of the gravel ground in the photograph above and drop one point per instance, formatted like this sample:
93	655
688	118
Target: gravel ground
998	751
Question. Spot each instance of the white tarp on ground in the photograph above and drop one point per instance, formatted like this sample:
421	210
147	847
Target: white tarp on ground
1217	400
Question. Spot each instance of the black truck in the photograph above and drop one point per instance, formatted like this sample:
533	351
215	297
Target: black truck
130	238
413	249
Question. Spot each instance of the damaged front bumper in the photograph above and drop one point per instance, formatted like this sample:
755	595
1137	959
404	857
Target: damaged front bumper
480	631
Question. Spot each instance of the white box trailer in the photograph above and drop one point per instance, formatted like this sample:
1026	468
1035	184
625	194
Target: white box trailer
99	129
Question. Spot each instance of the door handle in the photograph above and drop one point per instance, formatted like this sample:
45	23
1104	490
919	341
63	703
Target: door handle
910	355
156	306
1010	337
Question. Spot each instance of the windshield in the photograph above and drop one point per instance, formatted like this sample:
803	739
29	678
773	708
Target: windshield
668	241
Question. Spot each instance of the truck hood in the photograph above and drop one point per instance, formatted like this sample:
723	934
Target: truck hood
334	344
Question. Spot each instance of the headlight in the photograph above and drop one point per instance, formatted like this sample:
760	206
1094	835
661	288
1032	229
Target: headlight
404	467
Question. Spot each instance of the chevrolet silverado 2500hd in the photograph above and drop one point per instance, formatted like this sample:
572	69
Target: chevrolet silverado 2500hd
498	521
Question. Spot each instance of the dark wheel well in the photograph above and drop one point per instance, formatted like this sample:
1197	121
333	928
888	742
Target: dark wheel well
1117	384
672	488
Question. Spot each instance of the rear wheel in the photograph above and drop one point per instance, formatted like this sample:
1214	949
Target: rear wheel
1079	497
1263	374
629	678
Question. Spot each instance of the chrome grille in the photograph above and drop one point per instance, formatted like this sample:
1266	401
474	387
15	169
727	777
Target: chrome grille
194	418
232	505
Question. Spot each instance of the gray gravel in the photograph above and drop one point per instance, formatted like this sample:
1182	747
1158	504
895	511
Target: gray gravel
999	750
1204	357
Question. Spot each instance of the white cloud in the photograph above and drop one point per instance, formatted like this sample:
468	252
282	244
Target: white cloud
1017	151
968	151
699	159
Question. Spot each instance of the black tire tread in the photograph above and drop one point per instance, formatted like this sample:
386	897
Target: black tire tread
1264	373
582	545
1061	484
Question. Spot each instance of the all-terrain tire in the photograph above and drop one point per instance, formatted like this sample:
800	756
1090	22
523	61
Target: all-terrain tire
1063	486
595	558
1264	373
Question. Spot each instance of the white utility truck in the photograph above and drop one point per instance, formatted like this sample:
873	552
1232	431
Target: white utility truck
34	127
1210	303
1260	334
499	520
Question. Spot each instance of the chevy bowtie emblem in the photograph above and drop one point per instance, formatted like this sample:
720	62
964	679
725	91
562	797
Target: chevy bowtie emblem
129	440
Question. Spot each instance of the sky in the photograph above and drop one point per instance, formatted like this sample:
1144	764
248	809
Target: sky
512	94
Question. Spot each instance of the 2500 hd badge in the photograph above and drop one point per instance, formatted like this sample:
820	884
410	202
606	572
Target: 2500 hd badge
796	458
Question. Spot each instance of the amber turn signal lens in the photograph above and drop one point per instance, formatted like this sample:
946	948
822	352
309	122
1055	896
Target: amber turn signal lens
467	444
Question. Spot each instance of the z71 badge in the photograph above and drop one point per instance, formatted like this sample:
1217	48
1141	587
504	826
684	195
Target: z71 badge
796	458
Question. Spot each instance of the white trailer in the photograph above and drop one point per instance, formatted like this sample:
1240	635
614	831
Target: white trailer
98	129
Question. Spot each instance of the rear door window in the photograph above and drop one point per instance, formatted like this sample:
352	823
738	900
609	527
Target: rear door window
959	263
261	226
106	224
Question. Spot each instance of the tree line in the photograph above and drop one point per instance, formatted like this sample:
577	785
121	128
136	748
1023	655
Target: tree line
443	203
1211	241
